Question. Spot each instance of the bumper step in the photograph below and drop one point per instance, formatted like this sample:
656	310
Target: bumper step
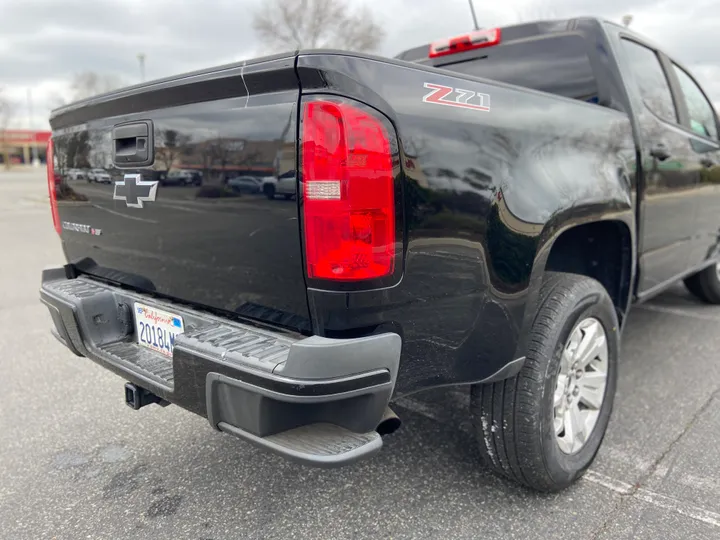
89	320
155	367
319	445
252	381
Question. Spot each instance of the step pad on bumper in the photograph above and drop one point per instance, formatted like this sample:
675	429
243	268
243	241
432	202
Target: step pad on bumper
154	366
95	319
321	445
236	345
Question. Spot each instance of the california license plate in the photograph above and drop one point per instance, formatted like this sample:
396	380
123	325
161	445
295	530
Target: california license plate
157	329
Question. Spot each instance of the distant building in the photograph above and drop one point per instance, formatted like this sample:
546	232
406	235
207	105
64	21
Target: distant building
228	156
16	145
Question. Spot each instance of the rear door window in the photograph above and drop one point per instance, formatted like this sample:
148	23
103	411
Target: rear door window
650	79
702	115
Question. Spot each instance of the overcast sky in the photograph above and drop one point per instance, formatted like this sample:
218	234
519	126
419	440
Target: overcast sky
44	42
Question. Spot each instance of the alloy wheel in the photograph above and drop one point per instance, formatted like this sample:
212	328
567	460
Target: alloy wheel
580	388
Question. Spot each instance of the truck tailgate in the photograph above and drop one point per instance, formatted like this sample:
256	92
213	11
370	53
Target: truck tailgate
226	244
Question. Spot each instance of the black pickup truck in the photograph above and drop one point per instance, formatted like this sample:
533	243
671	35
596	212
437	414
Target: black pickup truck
479	211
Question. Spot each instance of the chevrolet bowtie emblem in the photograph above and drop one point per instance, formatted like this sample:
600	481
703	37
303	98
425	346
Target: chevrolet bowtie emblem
134	190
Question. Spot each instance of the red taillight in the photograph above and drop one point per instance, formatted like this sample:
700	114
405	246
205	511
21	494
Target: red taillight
50	158
348	192
466	42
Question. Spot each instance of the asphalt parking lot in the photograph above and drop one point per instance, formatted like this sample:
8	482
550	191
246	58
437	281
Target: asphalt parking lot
76	462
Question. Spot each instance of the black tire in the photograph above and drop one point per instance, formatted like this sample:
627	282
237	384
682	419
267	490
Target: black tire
514	418
705	285
269	191
288	196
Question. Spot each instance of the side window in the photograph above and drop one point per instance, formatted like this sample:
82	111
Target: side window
651	80
702	115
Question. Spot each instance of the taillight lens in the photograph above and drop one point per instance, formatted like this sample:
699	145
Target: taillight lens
50	158
348	192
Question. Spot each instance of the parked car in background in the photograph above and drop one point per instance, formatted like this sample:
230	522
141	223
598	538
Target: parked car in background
100	176
284	185
244	184
76	174
181	177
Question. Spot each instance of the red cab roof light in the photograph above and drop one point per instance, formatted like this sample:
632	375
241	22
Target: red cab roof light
465	42
348	207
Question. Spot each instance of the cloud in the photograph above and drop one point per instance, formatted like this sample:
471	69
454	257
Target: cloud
44	42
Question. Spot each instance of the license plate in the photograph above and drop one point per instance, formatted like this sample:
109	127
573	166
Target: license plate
157	329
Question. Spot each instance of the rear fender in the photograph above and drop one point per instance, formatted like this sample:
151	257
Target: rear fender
567	220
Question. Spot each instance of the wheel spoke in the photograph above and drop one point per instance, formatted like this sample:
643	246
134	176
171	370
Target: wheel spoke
592	344
559	391
593	379
574	342
598	365
592	396
566	361
574	426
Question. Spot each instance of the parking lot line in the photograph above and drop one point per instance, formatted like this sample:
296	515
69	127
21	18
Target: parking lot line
123	215
674	505
678	312
618	486
654	498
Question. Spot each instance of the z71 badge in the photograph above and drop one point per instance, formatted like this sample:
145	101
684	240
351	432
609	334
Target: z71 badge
456	97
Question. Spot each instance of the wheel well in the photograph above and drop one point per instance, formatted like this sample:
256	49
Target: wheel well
601	250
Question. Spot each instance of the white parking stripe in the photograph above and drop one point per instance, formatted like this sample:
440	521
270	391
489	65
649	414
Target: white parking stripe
683	508
654	498
124	215
617	486
183	208
679	312
623	488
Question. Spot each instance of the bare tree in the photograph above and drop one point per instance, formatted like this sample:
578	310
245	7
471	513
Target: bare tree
170	144
6	113
310	24
87	84
84	85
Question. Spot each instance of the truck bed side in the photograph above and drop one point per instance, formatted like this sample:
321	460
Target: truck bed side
487	192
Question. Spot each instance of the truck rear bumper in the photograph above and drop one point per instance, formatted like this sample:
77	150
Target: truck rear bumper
313	399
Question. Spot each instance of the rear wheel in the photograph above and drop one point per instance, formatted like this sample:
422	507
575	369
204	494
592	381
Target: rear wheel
706	284
543	427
